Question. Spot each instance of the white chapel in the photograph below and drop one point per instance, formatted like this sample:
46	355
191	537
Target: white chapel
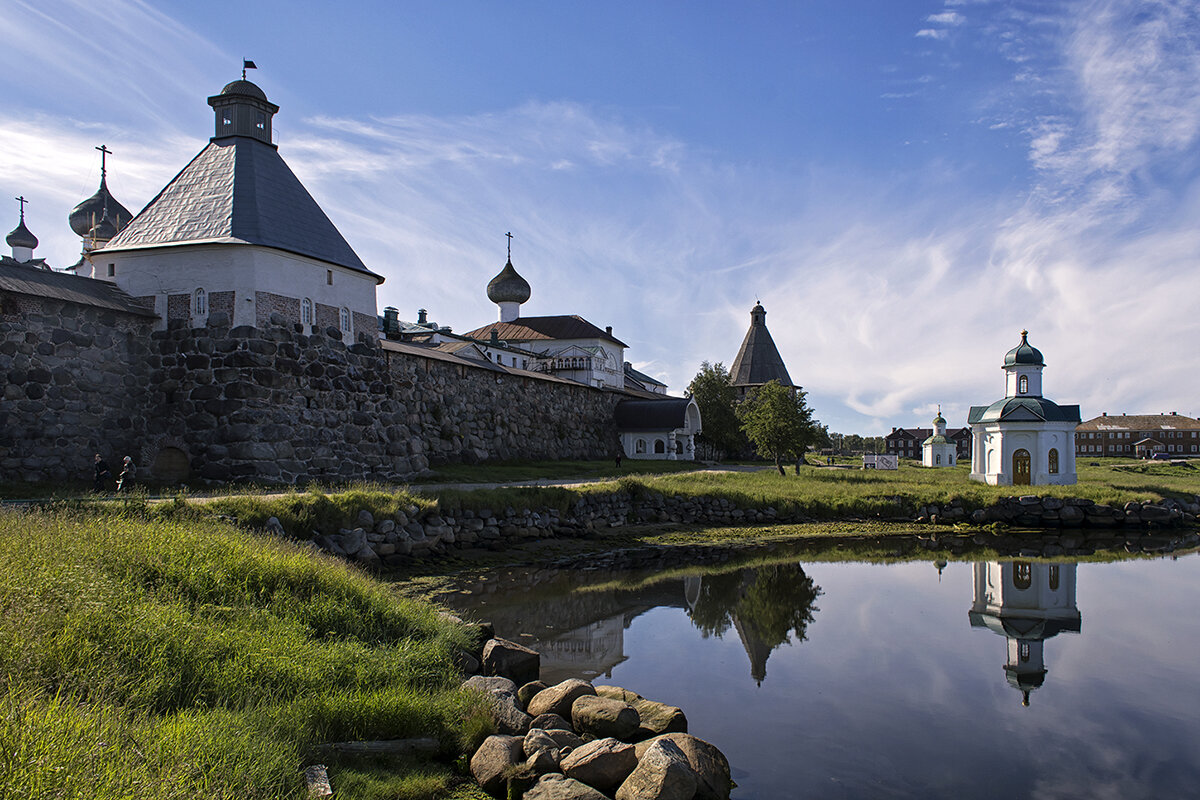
1023	439
938	450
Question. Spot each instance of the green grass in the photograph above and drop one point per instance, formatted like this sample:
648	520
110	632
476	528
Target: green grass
513	471
190	659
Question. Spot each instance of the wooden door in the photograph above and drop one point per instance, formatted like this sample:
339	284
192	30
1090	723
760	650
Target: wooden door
1020	465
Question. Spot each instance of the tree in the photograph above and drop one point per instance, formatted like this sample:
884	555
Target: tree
713	391
777	421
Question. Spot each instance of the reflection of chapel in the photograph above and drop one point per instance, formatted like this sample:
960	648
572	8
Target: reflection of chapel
1027	603
1023	439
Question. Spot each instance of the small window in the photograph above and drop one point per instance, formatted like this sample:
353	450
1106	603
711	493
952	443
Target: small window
1054	460
261	121
199	303
1022	575
227	117
1023	384
660	446
640	446
344	319
112	270
306	311
329	277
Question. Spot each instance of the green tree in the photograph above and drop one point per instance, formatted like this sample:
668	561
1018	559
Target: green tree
713	391
777	421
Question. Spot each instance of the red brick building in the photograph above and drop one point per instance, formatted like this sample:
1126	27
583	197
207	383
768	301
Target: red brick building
1138	436
906	442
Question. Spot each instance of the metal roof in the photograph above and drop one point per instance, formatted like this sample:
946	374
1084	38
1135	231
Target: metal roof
526	329
1015	409
69	288
1140	422
758	361
238	190
667	414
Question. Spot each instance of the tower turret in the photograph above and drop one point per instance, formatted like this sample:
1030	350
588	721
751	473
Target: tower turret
21	240
508	289
242	109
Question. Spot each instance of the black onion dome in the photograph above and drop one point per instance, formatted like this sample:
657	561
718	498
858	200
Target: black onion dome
22	237
508	286
244	88
1024	353
105	230
88	214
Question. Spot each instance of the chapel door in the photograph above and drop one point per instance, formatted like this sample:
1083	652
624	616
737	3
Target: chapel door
1020	465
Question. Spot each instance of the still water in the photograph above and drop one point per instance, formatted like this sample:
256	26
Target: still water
1011	679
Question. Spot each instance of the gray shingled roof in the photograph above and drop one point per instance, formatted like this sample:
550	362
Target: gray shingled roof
238	190
758	361
68	288
528	329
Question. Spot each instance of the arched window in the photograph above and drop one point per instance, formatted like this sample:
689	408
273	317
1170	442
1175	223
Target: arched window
937	460
199	303
678	447
1023	384
1054	577
344	319
1022	575
1053	459
306	308
660	446
640	446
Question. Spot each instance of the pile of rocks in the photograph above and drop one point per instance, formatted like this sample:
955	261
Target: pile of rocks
1035	511
576	741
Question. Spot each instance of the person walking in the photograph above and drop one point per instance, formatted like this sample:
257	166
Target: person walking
125	479
103	474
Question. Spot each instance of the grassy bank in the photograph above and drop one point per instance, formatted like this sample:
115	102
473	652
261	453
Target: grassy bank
190	659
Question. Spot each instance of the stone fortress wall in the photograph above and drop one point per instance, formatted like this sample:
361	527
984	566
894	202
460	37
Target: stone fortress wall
267	404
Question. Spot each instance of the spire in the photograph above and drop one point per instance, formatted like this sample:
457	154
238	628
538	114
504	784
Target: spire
758	361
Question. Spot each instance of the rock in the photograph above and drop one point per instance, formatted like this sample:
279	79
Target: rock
560	787
551	722
275	527
709	763
656	718
662	773
366	520
602	717
495	756
527	692
603	764
502	657
547	748
353	541
505	711
559	698
493	684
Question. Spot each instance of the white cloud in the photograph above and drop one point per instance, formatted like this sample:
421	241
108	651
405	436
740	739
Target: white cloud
933	33
946	18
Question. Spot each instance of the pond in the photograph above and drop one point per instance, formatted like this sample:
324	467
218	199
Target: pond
1005	679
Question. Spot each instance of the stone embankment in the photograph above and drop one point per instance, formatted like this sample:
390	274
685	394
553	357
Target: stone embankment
577	741
396	541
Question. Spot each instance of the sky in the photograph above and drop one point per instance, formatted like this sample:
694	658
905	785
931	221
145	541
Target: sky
905	185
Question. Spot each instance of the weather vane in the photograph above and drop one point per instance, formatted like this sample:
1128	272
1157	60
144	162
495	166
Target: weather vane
247	64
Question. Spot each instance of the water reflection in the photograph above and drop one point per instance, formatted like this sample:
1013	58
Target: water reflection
765	605
1027	603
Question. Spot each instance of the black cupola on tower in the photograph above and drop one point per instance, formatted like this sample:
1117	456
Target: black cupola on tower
243	110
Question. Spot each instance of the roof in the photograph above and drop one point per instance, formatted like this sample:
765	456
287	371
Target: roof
508	286
69	288
758	361
1019	409
526	329
641	377
1140	422
238	190
434	354
22	236
667	414
1024	353
923	433
88	213
936	440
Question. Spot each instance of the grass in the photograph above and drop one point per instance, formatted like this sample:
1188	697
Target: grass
512	471
187	658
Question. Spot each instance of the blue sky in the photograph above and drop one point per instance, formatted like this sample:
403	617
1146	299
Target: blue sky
905	185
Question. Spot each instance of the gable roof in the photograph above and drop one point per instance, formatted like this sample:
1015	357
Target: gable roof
758	361
69	288
238	190
528	329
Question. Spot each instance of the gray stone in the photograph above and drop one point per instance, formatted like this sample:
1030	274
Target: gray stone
656	718
550	722
491	685
603	764
527	693
559	698
602	717
365	520
353	541
709	763
559	787
662	773
493	758
511	660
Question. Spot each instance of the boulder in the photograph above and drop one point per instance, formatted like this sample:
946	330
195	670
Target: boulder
603	764
558	742
709	763
551	722
559	698
560	787
491	685
493	758
504	710
662	773
657	718
511	660
602	717
528	691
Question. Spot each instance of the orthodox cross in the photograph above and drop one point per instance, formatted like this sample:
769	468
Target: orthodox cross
22	201
509	235
104	151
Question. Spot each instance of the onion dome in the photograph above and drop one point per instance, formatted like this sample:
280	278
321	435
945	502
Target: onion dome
1024	353
21	236
104	231
87	215
508	286
939	419
244	88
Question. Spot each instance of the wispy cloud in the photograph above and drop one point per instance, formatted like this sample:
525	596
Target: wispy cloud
932	33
